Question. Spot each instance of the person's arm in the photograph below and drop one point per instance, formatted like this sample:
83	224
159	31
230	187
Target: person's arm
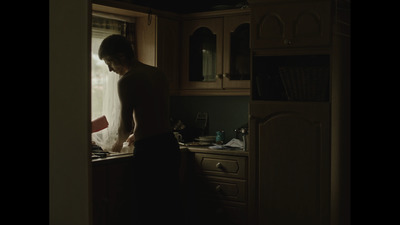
126	120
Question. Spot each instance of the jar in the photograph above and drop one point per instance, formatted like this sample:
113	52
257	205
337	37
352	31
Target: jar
220	138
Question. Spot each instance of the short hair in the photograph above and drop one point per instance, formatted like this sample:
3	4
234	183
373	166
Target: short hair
116	44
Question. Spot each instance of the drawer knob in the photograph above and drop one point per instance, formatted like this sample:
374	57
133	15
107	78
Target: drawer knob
218	188
219	165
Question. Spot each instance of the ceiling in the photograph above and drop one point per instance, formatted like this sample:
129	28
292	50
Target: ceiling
189	6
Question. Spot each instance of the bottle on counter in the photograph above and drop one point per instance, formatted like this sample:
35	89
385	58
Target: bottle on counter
220	138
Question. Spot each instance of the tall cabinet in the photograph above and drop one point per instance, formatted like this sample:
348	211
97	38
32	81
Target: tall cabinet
299	160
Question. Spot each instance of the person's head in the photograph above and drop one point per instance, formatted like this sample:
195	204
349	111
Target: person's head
117	53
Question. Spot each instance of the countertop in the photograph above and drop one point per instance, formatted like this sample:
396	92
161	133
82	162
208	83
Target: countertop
214	151
113	157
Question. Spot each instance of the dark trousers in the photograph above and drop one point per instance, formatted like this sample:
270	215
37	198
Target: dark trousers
156	181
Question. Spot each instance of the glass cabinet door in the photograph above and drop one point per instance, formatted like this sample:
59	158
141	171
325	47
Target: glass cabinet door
240	53
202	54
237	52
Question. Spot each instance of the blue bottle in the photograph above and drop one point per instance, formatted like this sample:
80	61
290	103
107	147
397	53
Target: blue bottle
220	138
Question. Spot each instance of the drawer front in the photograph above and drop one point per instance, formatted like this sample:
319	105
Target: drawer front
223	188
221	165
219	213
232	215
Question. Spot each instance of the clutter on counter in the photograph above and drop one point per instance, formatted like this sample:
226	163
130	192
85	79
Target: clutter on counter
126	148
234	144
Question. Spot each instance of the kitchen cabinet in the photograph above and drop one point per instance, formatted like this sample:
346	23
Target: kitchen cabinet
291	24
299	132
202	61
168	45
220	188
236	72
216	52
293	143
113	188
112	191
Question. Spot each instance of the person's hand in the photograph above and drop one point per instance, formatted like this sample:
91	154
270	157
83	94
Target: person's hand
117	147
130	139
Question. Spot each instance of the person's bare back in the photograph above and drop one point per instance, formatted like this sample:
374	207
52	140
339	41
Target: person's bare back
144	97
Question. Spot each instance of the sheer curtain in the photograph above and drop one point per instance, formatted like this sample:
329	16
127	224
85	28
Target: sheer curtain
105	100
209	61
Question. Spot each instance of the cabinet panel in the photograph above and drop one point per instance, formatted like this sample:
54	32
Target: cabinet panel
268	26
312	24
219	190
236	52
293	162
100	197
214	212
220	213
223	188
299	24
112	192
193	27
120	195
168	56
216	165
202	55
229	73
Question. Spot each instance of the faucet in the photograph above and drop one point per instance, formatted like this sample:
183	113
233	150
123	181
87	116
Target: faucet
244	132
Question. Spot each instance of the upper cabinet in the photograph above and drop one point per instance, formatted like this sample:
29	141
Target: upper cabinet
290	25
216	53
236	52
202	53
168	41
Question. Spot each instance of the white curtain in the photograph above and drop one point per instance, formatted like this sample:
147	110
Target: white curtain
209	61
105	100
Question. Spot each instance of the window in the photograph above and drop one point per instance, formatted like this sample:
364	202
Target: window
104	93
101	77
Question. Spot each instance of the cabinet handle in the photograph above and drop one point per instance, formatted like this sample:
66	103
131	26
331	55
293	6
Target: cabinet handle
227	75
218	188
219	76
288	42
219	165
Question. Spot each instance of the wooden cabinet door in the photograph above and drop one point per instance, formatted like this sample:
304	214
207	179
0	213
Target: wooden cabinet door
268	26
215	26
168	45
100	198
300	24
293	147
310	24
113	193
241	59
120	195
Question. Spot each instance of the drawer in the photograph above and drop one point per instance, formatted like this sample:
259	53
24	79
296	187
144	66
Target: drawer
219	213
235	215
221	165
222	188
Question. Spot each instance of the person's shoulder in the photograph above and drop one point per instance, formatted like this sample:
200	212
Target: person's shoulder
127	78
150	68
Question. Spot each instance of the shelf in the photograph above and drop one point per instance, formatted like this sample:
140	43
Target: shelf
291	78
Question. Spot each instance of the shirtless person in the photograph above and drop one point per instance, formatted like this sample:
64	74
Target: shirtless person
144	97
